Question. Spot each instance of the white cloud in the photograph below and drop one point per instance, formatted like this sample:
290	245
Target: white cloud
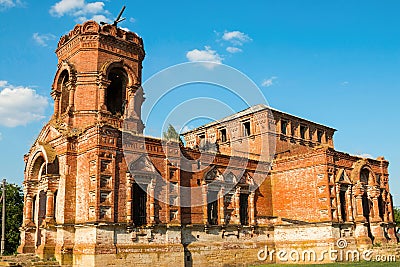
3	83
132	20
364	155
269	82
81	10
233	50
43	39
20	105
1	136
236	37
97	18
91	8
204	55
4	4
65	6
345	83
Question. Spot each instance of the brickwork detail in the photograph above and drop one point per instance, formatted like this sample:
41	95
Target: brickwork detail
91	199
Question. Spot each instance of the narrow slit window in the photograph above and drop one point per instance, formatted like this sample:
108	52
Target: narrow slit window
140	204
319	136
244	209
342	196
284	125
63	84
303	130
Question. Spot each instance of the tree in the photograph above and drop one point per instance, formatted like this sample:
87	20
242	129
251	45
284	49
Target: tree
172	135
14	208
396	213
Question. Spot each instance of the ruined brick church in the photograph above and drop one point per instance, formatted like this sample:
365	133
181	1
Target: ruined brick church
97	192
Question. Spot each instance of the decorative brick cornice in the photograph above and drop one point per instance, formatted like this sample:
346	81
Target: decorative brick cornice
91	35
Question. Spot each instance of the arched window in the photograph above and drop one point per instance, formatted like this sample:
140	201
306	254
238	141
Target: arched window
116	91
38	168
62	85
54	167
364	176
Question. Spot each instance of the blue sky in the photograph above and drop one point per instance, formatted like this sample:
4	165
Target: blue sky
333	62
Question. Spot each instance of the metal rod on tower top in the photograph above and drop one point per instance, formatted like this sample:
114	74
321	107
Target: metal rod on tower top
3	218
118	19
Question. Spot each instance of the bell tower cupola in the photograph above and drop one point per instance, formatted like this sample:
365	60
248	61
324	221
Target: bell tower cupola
98	77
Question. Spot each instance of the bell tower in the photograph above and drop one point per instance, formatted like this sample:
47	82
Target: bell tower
75	171
98	77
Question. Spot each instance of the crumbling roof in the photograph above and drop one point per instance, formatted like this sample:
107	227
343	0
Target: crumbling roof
250	110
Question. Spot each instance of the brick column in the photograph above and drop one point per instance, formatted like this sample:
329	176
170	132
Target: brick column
128	199
384	203
130	109
358	193
349	204
359	207
205	217
237	205
49	206
28	208
221	206
374	193
151	203
71	96
252	220
102	94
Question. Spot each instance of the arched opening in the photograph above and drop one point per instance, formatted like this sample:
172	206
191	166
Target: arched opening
367	205
42	207
139	204
381	206
212	207
54	167
116	91
63	88
34	208
244	208
342	196
364	176
38	168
